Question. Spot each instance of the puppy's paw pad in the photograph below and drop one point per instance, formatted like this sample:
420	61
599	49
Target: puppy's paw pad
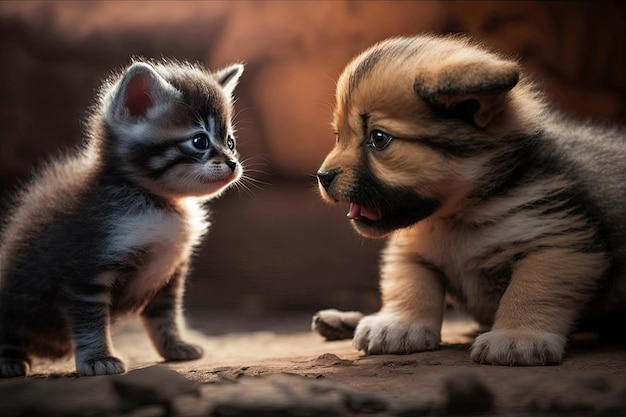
385	333
12	368
109	365
518	347
333	324
181	351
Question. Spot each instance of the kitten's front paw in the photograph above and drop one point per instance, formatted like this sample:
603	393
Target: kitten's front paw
518	347
333	324
12	368
109	365
181	351
385	333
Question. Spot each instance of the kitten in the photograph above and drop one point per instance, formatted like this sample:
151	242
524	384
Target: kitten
110	228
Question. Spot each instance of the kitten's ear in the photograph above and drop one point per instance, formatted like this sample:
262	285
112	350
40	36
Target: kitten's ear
140	89
473	86
228	77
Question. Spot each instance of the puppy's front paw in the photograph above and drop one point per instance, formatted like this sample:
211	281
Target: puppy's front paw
385	333
333	324
518	347
109	365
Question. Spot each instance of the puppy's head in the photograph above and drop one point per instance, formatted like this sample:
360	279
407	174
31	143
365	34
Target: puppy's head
416	123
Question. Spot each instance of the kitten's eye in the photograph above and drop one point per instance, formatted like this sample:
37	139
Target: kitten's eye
379	139
230	142
200	142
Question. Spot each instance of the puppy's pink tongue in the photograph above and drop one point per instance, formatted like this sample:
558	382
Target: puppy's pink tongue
369	213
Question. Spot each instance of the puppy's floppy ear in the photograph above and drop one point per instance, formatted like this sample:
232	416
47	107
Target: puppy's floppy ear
473	86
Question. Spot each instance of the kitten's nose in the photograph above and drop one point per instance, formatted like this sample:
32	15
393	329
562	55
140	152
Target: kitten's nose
232	165
326	177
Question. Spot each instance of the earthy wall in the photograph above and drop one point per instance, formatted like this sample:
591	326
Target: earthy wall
278	246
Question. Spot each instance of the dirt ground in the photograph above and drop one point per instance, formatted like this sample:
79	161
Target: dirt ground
246	355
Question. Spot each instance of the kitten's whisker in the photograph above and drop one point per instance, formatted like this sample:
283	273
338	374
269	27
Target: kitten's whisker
251	184
256	180
260	156
241	185
257	171
258	164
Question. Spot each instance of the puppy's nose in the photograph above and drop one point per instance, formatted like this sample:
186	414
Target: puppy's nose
326	177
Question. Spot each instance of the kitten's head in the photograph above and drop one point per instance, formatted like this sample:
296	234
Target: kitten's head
168	127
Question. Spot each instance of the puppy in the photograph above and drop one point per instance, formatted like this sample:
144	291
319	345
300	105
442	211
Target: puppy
487	197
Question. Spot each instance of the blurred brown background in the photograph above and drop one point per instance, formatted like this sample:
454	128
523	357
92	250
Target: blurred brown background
279	247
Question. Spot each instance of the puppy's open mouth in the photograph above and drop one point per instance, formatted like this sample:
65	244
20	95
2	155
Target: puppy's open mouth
374	209
383	218
369	213
379	221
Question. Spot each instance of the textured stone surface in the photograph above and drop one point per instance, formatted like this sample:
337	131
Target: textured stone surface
157	391
465	393
153	387
64	397
594	394
286	373
156	385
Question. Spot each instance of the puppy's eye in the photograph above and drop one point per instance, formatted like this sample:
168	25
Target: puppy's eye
200	141
230	142
379	139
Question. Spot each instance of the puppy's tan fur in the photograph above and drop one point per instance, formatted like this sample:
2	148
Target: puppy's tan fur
486	195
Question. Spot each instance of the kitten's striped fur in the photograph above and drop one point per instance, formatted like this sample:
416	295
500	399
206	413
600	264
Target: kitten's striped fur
109	228
486	195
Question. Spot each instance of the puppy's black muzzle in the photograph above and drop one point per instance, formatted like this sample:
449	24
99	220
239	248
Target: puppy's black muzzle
326	177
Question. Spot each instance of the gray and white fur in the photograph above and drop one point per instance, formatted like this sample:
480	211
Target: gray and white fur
109	228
